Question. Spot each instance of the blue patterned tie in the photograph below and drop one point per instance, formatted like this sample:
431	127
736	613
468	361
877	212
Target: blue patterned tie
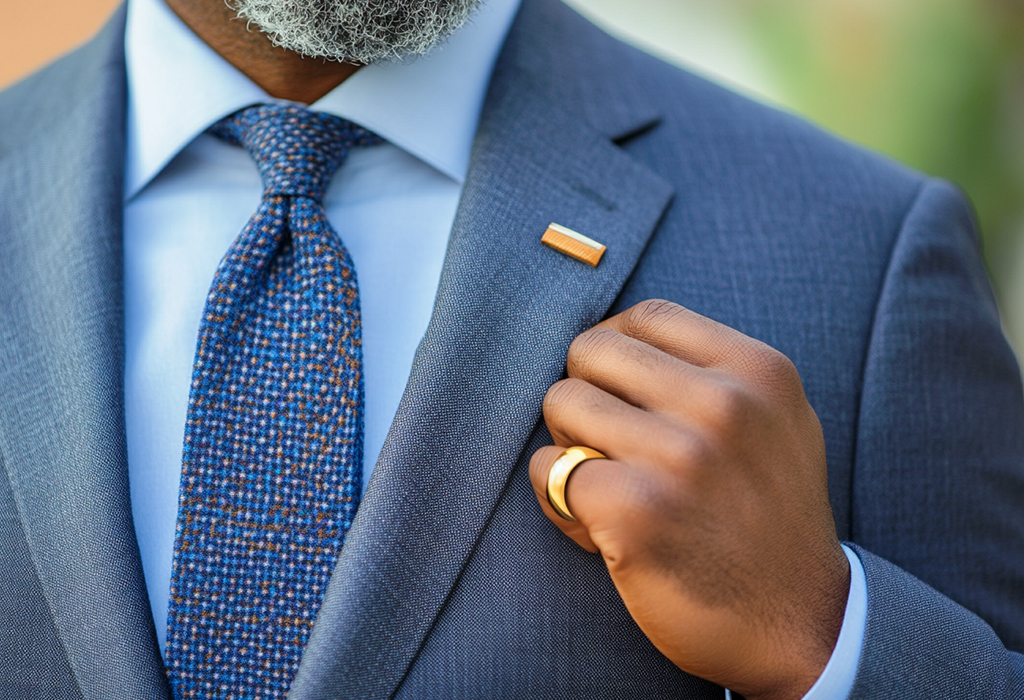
273	440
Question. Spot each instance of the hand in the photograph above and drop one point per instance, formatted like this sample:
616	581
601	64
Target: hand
711	511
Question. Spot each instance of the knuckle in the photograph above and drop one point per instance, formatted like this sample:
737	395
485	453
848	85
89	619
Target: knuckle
562	396
587	347
727	406
686	451
652	315
785	370
773	368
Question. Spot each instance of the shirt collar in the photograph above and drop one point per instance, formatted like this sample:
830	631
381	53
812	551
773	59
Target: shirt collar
178	87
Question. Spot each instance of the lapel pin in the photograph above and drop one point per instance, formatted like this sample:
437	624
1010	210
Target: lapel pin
573	244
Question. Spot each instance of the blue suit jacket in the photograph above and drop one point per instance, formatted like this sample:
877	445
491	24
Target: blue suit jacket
452	584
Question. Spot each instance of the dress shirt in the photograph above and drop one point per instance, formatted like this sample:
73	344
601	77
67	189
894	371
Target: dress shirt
188	195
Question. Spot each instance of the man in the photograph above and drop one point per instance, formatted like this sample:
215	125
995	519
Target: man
712	511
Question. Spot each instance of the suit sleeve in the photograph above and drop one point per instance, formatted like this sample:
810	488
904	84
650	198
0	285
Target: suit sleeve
920	644
938	479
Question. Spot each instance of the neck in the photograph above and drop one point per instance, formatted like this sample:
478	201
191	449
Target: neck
281	73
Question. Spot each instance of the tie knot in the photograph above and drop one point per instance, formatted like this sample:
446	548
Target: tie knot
297	150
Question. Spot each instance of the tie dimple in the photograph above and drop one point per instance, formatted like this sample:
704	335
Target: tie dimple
273	437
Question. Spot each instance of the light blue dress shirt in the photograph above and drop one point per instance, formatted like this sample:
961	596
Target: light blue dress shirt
188	195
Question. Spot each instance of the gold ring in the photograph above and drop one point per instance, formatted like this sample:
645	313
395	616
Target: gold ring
558	477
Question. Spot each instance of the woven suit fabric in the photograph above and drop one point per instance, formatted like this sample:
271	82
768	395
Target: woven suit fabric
273	440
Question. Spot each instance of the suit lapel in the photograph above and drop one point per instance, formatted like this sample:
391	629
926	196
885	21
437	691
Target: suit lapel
506	310
61	407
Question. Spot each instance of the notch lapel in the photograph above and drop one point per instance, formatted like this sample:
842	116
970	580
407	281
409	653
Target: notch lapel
506	310
61	405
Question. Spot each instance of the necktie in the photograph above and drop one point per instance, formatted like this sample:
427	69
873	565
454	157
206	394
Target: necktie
273	439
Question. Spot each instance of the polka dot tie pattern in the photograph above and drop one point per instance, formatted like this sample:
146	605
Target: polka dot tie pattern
273	440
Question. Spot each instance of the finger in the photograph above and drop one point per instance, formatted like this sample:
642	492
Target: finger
579	413
605	496
684	334
645	376
540	467
700	341
642	448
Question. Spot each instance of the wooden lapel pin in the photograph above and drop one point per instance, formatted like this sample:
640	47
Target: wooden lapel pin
573	244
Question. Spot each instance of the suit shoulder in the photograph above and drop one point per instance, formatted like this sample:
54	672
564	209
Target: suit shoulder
43	99
737	130
708	133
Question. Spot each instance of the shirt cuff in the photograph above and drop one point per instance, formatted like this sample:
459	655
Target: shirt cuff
836	681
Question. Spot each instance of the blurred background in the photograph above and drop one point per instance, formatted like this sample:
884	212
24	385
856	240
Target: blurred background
937	84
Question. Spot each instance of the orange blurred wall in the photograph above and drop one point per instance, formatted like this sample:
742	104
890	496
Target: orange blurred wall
35	31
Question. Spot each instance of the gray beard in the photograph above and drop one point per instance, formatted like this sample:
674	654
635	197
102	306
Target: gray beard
357	31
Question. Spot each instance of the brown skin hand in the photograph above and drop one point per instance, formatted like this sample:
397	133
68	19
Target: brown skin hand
282	73
711	511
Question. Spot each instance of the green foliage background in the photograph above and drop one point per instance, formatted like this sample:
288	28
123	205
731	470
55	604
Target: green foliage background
936	84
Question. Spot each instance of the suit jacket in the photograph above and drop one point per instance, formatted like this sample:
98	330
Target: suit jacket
452	584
